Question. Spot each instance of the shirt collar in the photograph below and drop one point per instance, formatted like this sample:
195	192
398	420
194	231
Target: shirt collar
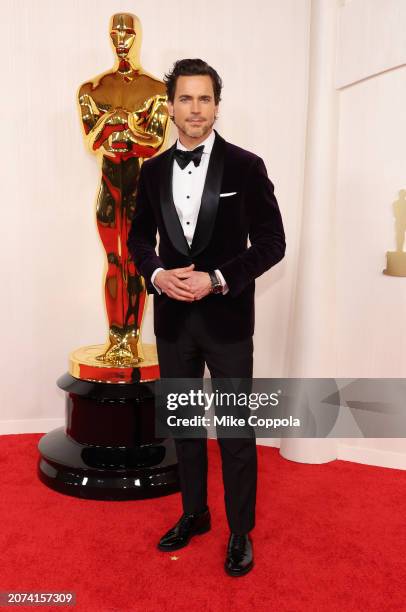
208	143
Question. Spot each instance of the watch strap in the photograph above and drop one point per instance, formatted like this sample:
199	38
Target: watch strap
216	285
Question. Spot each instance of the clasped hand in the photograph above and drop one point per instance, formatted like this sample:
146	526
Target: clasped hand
184	284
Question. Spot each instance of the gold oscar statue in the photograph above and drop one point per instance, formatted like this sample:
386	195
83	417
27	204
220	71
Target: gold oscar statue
396	260
125	120
108	448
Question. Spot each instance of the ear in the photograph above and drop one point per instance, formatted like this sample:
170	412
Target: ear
170	108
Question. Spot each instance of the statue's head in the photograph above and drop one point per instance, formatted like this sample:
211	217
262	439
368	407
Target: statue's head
125	34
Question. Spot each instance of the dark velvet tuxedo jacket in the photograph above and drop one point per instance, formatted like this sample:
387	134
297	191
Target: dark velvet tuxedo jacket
220	241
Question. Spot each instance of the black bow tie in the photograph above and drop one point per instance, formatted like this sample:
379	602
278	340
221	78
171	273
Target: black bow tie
185	157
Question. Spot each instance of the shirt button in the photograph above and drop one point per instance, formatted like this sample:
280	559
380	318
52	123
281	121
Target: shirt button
188	197
187	222
190	172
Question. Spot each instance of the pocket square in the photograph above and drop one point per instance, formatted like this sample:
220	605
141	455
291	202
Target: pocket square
225	195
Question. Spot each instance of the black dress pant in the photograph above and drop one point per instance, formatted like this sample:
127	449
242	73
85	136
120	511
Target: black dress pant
186	358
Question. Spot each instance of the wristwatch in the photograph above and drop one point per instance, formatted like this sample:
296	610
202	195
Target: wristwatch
216	286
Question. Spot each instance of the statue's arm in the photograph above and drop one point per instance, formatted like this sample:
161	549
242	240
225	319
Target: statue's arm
95	121
149	124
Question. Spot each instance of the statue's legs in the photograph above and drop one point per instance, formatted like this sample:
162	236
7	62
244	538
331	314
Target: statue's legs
400	237
125	292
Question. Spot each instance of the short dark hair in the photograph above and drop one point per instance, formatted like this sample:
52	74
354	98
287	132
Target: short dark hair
192	67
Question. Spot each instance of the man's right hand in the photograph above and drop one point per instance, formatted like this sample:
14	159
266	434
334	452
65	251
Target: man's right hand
171	283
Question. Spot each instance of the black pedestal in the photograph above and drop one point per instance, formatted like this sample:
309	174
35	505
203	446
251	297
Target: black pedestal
108	449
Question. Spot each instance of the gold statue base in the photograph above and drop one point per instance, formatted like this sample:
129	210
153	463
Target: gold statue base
395	263
83	364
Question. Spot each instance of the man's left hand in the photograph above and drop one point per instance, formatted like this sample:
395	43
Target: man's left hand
199	284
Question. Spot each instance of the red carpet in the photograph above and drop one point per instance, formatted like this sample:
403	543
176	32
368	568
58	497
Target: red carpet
328	538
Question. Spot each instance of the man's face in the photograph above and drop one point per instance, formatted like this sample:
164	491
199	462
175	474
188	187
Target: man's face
193	107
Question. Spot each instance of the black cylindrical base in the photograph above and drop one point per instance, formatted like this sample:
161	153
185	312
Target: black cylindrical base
108	448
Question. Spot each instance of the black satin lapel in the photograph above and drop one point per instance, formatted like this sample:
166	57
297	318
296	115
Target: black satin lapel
170	216
210	198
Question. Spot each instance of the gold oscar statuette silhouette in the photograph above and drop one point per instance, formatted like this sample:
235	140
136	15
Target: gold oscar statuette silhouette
108	448
125	120
396	260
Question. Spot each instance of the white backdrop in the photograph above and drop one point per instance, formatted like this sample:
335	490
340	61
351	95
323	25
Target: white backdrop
52	300
51	254
371	169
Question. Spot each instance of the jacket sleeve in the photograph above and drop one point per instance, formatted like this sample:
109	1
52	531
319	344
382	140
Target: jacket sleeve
142	236
266	233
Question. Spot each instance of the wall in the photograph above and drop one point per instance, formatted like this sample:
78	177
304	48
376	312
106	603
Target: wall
51	255
50	251
370	307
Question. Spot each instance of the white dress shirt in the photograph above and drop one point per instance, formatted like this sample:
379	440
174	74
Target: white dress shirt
187	191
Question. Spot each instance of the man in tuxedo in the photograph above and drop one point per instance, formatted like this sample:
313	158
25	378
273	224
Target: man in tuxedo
206	197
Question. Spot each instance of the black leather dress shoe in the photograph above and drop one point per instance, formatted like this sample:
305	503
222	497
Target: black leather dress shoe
240	559
187	526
